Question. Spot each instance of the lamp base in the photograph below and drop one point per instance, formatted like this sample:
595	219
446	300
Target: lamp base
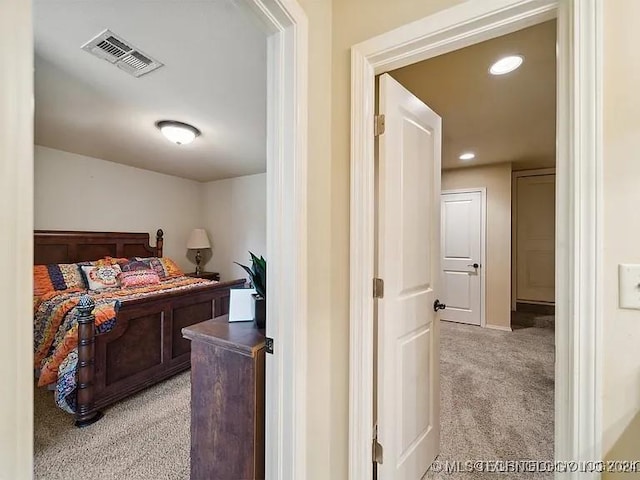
198	260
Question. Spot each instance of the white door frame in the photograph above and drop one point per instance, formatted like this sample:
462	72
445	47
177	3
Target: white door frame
483	246
578	383
287	28
514	226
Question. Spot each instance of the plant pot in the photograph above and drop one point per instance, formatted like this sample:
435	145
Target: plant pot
260	311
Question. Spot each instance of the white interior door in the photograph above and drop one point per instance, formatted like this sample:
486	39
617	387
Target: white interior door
462	246
535	238
408	390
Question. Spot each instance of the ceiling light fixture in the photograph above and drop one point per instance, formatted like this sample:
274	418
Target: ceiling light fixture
467	156
506	64
178	132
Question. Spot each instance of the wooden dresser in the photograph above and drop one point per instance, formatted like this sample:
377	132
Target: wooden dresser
227	400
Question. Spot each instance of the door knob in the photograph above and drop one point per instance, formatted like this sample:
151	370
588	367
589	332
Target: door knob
474	265
438	306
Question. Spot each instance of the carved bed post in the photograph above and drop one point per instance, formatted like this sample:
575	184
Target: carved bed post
159	242
85	413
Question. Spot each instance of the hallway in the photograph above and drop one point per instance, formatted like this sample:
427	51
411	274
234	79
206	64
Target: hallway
497	394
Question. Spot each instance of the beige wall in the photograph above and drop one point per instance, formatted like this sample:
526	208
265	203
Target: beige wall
234	213
497	180
322	432
621	335
75	192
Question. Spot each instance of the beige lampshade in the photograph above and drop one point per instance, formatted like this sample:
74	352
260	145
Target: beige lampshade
198	239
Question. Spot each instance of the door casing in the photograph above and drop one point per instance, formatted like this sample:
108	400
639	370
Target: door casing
578	379
483	247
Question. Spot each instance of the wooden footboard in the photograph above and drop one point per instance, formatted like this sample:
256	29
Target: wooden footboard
145	346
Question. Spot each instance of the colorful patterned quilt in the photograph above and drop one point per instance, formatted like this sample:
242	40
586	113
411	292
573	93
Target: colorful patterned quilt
55	330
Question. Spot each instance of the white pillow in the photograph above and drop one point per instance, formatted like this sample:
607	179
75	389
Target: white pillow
101	277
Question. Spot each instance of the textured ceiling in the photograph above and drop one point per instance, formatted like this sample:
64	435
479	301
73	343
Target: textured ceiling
214	78
508	118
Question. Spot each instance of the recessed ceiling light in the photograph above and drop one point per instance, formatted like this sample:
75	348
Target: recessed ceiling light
506	64
467	156
178	132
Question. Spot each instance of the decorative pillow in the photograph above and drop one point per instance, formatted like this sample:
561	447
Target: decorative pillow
110	261
157	266
171	268
134	264
164	267
59	276
101	276
138	278
84	264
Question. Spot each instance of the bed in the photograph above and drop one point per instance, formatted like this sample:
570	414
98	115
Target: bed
144	346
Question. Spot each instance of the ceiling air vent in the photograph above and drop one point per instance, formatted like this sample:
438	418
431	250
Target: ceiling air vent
121	53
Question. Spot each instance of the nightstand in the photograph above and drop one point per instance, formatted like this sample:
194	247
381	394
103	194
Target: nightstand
206	275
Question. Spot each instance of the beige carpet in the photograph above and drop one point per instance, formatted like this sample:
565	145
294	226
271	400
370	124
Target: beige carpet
496	397
497	404
145	437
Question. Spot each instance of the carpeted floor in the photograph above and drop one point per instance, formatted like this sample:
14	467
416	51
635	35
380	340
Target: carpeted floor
496	397
145	437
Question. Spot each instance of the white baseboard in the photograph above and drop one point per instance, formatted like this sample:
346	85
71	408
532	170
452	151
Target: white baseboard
498	327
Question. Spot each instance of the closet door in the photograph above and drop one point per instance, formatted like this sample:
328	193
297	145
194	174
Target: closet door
461	260
535	238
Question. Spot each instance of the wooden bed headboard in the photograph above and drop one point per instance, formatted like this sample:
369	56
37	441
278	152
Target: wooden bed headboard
51	246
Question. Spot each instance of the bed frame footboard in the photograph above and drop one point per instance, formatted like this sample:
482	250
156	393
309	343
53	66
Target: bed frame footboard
144	347
85	412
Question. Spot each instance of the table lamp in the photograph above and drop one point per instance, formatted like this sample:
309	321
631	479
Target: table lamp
198	240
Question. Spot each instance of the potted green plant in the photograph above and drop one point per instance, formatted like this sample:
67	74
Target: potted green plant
258	276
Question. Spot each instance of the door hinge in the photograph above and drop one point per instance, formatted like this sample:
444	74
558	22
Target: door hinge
268	345
378	288
378	125
376	449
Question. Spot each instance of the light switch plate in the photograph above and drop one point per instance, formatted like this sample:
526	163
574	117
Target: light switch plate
629	286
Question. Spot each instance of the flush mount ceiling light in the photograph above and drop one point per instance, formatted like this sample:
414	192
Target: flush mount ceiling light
178	132
506	64
467	156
